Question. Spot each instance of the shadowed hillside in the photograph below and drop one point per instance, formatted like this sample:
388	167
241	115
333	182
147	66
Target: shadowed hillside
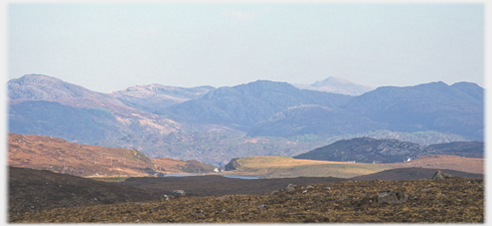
371	150
33	190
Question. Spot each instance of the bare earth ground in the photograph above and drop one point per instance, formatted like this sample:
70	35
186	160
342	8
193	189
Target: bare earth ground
456	199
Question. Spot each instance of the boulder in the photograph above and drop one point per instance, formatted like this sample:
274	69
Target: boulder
290	188
179	193
439	175
392	197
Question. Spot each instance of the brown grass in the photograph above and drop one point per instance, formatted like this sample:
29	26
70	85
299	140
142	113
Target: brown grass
284	167
61	156
452	162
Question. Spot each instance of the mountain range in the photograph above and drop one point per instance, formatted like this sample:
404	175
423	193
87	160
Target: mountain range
243	106
258	118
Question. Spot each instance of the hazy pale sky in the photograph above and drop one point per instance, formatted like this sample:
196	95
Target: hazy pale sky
110	46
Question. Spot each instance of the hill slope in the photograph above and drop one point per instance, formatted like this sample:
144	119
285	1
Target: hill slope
450	162
244	105
366	150
34	190
314	120
60	156
369	150
455	109
47	106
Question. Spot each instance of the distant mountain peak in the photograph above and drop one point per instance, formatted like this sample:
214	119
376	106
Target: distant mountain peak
330	81
337	85
43	87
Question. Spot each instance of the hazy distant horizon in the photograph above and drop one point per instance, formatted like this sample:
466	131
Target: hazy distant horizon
108	47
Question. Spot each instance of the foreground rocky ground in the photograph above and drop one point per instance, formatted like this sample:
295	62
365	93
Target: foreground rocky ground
452	200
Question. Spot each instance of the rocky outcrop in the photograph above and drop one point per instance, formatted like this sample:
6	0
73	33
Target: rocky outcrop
232	165
439	175
392	197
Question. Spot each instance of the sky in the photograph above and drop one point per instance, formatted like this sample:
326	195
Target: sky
111	46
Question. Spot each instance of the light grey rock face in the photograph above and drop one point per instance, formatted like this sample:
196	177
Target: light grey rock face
154	97
392	197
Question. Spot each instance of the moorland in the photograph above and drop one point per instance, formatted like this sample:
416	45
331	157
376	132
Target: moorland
41	195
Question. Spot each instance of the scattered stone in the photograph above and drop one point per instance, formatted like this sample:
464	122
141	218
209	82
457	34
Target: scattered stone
261	206
179	193
328	188
309	187
392	197
198	214
290	188
165	197
426	190
439	175
274	192
292	185
304	192
222	198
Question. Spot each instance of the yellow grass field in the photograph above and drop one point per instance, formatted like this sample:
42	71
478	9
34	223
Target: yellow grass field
285	167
